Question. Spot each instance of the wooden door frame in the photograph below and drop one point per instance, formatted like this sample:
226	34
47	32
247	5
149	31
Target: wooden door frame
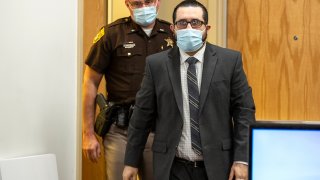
218	21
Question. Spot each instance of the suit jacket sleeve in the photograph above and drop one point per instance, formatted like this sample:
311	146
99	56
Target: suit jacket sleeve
243	111
142	119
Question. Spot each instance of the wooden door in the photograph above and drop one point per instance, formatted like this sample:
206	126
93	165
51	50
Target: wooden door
94	18
280	42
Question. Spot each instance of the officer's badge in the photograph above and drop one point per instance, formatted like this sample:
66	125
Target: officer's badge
169	42
129	45
98	36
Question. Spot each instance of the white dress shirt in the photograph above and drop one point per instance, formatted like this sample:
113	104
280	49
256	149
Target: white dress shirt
184	149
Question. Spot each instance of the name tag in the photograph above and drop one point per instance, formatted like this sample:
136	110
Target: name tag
129	45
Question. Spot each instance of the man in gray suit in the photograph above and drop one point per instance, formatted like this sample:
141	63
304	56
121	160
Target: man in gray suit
198	97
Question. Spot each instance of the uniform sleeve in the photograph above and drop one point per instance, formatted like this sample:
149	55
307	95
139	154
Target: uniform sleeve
100	53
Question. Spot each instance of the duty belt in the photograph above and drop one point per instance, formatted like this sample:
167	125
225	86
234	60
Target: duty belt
122	114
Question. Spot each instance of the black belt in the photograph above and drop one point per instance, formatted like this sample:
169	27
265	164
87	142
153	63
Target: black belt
191	163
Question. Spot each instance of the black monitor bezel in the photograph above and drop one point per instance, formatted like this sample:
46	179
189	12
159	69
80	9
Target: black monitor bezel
286	125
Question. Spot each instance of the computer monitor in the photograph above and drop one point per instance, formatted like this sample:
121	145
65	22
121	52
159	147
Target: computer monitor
284	151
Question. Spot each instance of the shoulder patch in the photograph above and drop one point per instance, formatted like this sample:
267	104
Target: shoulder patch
99	35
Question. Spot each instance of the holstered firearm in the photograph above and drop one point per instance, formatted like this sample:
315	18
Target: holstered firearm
104	119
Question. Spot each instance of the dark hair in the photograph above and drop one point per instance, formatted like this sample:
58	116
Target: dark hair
191	3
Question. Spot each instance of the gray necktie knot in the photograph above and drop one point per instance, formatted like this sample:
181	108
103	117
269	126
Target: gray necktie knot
192	60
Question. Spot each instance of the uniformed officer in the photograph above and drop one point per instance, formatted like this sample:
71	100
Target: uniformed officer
118	52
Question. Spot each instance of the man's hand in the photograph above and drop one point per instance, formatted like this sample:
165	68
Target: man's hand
130	173
91	147
90	144
239	172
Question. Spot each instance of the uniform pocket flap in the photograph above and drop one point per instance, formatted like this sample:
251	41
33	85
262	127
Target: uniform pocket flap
159	147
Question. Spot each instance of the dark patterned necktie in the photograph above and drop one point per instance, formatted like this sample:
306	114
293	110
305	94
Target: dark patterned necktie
193	93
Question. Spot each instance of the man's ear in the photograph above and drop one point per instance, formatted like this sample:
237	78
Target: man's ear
208	27
127	3
158	4
173	32
172	28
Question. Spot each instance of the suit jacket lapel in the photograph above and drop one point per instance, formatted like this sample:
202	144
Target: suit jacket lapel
173	66
209	64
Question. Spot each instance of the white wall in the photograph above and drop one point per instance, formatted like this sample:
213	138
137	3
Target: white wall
39	67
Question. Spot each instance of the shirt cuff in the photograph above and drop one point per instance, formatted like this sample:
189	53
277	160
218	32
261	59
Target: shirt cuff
241	162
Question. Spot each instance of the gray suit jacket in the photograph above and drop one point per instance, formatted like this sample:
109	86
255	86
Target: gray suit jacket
226	109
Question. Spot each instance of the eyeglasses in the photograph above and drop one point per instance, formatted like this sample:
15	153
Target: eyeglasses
139	4
195	23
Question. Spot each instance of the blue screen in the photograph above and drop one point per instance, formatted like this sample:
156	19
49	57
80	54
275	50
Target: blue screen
285	154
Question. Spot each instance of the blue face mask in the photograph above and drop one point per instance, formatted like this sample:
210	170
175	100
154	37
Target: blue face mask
189	40
145	16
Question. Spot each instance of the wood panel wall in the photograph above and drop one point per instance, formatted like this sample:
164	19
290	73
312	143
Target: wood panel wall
94	18
280	42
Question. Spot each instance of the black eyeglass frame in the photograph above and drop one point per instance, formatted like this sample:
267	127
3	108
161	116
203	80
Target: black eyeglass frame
195	23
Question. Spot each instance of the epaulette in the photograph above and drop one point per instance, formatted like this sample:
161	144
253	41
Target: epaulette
119	21
164	21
